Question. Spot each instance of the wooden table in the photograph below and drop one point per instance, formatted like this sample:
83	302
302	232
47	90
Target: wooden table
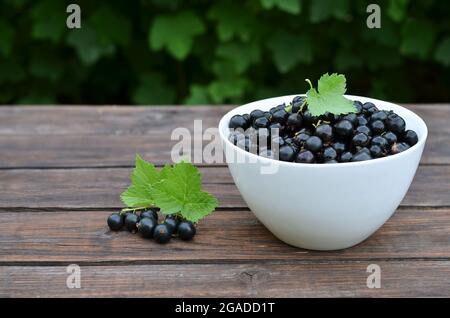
62	170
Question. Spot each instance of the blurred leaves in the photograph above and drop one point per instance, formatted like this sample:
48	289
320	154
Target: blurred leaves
200	52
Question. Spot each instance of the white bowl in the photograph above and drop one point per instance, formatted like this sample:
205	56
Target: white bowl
323	206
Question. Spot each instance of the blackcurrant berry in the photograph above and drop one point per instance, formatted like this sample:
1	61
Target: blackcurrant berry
268	115
368	105
324	132
399	147
352	118
146	227
305	156
379	115
339	146
287	153
344	128
276	108
314	144
261	122
276	127
294	121
363	129
186	230
305	131
277	142
396	124
162	233
172	222
280	116
361	156
410	137
360	140
237	121
115	221
300	139
131	221
362	121
346	156
308	118
151	214
379	141
255	114
297	103
390	137
247	117
377	127
329	154
376	151
358	106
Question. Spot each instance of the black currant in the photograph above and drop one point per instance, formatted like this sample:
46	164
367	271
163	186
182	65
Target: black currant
363	129
377	127
344	128
273	128
280	116
172	222
277	142
324	132
362	121
255	114
329	154
396	124
314	144
162	233
360	140
300	139
268	115
399	147
379	141
131	221
286	153
352	118
146	227
261	122
238	121
151	214
308	118
376	151
346	156
115	221
358	106
297	103
247	117
339	146
294	121
305	156
368	105
410	137
186	230
361	156
390	137
276	108
379	115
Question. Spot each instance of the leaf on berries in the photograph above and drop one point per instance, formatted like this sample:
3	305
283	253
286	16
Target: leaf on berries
180	192
329	96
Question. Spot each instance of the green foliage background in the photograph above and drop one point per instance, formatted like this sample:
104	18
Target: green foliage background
202	52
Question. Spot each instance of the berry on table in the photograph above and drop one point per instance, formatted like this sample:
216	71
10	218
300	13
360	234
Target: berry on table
172	222
162	233
186	230
150	213
115	221
131	221
146	227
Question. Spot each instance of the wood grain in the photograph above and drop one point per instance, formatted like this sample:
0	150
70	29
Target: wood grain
226	236
334	279
100	188
110	136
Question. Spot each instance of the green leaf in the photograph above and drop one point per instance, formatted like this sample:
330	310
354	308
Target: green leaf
233	21
442	53
329	97
87	45
111	27
49	17
176	33
144	175
152	89
290	6
418	38
241	55
6	38
288	50
198	95
397	10
181	193
321	10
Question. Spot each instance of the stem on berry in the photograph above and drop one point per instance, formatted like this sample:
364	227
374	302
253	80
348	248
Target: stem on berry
302	106
309	82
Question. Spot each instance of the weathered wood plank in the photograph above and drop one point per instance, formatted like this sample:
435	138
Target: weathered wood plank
334	279
100	188
225	236
110	136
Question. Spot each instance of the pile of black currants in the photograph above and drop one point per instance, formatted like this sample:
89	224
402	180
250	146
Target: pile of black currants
369	133
146	223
